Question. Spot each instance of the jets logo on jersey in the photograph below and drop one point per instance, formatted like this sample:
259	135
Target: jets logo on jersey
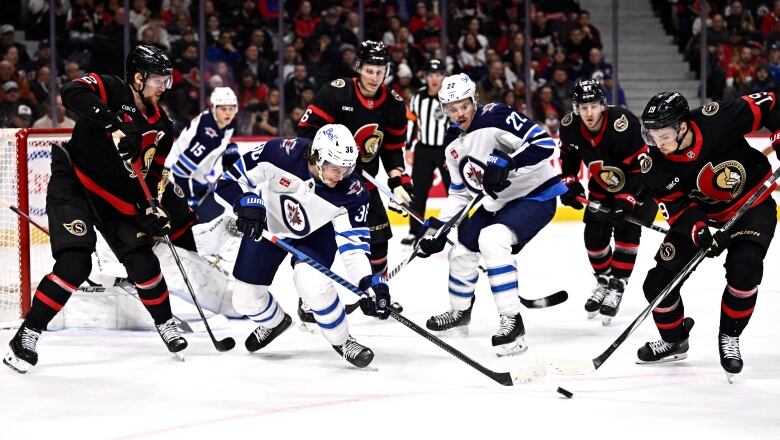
610	178
488	107
355	188
294	216
369	140
621	124
288	145
721	183
76	227
149	142
471	171
210	132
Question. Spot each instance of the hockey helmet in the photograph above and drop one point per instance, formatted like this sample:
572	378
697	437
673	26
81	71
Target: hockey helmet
587	90
434	66
222	96
334	145
665	109
372	52
455	88
148	60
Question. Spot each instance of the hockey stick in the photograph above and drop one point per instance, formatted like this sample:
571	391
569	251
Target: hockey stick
548	301
522	376
583	367
596	206
221	345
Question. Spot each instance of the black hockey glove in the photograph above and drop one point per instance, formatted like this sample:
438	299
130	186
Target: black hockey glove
429	245
250	210
377	301
152	219
704	239
129	146
575	190
624	206
402	189
496	177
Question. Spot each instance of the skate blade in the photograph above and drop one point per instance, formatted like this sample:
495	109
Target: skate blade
180	356
16	364
730	377
460	332
308	327
606	320
513	348
592	315
672	358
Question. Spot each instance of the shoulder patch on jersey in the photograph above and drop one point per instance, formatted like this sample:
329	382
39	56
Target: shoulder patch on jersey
666	251
338	83
355	188
710	108
488	107
294	215
210	132
288	145
567	119
178	191
645	163
396	96
621	124
76	227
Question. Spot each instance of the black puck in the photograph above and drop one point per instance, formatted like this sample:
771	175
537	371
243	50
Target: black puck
565	393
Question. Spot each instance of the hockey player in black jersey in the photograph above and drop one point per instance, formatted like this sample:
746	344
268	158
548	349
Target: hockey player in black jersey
701	170
93	187
376	116
609	141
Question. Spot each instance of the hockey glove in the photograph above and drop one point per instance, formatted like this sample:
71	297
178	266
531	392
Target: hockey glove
624	206
377	301
250	210
575	190
402	188
715	244
775	139
129	145
428	244
152	219
496	177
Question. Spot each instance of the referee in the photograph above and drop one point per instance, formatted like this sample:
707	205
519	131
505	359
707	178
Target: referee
427	137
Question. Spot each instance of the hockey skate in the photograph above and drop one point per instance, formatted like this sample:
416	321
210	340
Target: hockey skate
662	351
169	332
611	304
22	354
455	320
308	323
263	336
510	338
593	303
355	353
730	357
409	240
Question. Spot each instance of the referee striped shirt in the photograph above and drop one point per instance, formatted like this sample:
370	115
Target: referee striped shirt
431	120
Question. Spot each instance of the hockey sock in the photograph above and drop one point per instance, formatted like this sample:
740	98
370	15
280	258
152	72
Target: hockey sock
144	269
495	244
378	258
257	303
736	309
320	294
54	290
463	276
623	259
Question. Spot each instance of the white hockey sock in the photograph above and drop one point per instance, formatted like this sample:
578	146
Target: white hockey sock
496	242
320	294
463	276
257	303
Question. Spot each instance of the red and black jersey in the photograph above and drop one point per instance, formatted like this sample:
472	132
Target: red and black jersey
378	123
710	180
611	154
96	99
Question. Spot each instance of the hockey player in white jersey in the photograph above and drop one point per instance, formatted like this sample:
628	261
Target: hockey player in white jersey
195	158
502	152
302	190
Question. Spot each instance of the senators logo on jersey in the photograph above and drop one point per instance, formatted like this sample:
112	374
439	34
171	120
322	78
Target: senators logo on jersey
721	183
613	179
149	142
369	140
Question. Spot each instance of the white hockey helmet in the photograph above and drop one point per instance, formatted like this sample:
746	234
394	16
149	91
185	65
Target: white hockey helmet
335	146
223	96
457	87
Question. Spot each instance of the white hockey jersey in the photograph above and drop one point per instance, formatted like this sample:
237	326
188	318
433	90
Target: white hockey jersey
296	205
499	127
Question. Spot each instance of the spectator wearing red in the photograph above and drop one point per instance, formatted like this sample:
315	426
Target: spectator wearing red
739	74
771	19
305	22
588	29
250	92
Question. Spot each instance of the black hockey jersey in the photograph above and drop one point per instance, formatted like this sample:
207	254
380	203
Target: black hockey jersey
378	123
710	180
96	163
611	155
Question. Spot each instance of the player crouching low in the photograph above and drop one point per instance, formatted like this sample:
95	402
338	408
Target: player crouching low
505	153
302	190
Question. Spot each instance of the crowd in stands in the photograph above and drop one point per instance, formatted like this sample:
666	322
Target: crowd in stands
486	40
743	42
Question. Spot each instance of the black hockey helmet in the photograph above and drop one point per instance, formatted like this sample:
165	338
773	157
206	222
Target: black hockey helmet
434	66
587	90
373	52
147	60
664	109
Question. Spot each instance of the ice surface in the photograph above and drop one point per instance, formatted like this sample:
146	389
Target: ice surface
97	384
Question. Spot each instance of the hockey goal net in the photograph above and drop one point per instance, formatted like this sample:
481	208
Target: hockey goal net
25	255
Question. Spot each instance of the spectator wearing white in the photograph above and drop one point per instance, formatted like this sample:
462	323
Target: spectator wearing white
63	121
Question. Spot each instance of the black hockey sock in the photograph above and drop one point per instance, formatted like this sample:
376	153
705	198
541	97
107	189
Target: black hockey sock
54	290
623	259
668	317
600	259
379	258
154	296
736	309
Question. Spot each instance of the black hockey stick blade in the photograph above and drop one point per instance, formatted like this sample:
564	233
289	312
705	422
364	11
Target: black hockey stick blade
548	301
